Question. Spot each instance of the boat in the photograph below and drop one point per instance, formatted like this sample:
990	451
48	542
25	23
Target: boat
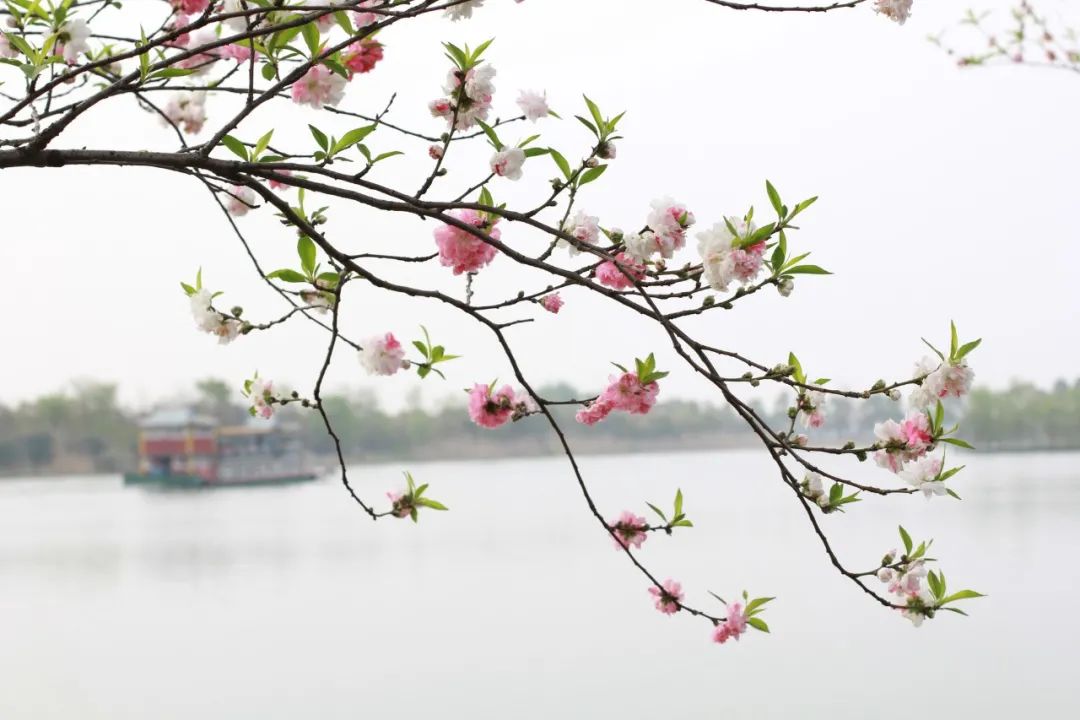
180	448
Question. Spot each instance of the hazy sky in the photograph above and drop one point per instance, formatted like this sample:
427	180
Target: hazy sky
944	194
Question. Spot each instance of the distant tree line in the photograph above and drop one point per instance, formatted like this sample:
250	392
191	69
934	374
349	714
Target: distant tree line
86	430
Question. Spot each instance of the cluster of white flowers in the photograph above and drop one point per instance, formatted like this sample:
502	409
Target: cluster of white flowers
896	10
261	393
940	380
187	109
585	229
210	320
923	474
725	258
383	355
907	584
473	102
813	488
72	39
667	224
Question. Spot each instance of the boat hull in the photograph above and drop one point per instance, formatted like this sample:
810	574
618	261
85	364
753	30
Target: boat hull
194	481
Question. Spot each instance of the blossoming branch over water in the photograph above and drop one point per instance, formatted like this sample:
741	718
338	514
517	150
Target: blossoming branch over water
214	73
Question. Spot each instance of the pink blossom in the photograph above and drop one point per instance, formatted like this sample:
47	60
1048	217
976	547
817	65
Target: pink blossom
552	303
362	56
630	530
276	184
461	250
189	7
628	394
733	626
668	598
669	220
812	406
533	104
747	261
320	86
896	10
262	397
507	163
610	274
916	431
383	355
585	229
625	393
363	19
240	200
491	410
236	51
595	412
441	107
435	152
399	507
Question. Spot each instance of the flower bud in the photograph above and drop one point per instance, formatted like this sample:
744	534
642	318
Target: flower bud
592	162
885	575
786	286
435	152
606	150
237	311
894	395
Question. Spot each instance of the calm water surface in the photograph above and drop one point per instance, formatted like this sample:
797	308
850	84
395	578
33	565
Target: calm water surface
286	602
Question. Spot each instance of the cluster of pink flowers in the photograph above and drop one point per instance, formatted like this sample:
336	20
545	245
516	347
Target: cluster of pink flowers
319	86
362	56
941	380
383	355
186	109
734	624
667	225
896	10
630	530
625	393
490	408
812	408
461	250
469	96
668	597
584	228
904	441
724	257
622	275
552	303
211	321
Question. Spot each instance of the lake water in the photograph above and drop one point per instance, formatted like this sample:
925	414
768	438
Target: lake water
286	602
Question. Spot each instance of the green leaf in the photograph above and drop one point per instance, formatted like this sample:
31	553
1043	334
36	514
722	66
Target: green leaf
262	143
962	595
492	136
311	38
967	348
305	248
187	288
171	73
286	275
385	155
678	501
753	605
429	503
757	623
595	112
779	252
589	125
658	511
353	137
958	442
774	198
954	341
320	137
806	270
907	540
561	162
238	148
591	174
